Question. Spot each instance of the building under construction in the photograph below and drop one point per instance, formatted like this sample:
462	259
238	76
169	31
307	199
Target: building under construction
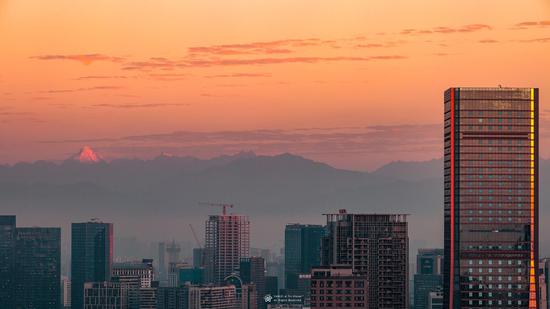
227	241
375	246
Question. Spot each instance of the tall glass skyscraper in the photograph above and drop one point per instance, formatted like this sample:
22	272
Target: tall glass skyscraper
491	197
7	261
302	251
38	267
92	257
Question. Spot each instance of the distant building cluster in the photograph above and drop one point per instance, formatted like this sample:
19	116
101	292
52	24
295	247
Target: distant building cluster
490	257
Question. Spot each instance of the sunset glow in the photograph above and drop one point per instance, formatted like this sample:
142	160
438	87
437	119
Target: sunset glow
349	83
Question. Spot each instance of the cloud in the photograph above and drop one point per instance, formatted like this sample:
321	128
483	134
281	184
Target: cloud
102	77
239	75
81	89
488	41
146	105
387	44
447	30
166	64
86	59
531	24
269	47
395	139
536	40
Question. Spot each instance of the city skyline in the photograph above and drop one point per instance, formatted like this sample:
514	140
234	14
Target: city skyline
274	154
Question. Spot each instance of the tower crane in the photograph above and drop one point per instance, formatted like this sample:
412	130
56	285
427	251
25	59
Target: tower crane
198	245
224	206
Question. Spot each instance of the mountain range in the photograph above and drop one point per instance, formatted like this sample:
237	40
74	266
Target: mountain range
159	198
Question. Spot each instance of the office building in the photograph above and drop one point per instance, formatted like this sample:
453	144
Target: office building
373	245
252	271
227	241
198	257
491	197
37	267
7	260
161	262
214	297
435	300
338	287
92	257
302	251
428	277
104	295
271	285
249	297
190	275
135	277
65	292
172	297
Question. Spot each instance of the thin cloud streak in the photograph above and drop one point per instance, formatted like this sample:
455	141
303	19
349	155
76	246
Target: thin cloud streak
139	106
86	59
395	139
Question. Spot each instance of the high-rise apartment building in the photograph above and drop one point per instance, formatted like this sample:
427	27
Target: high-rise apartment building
38	267
491	197
7	260
227	241
92	257
135	277
375	246
302	251
338	287
428	277
252	271
104	295
214	297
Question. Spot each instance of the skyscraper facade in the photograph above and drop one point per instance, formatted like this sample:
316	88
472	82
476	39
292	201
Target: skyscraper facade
38	268
302	251
252	271
491	197
375	246
92	257
227	241
7	260
428	277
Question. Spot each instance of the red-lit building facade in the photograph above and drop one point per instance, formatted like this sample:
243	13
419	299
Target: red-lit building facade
491	198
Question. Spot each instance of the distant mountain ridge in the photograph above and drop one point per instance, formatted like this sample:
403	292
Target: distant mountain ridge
156	197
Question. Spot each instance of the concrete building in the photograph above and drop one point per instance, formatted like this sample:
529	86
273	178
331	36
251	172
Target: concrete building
435	300
212	297
252	271
66	292
136	277
227	241
375	246
491	200
104	295
338	287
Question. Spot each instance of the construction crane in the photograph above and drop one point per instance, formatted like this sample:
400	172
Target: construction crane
224	206
202	257
195	236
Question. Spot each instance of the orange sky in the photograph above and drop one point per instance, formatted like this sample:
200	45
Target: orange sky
352	83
